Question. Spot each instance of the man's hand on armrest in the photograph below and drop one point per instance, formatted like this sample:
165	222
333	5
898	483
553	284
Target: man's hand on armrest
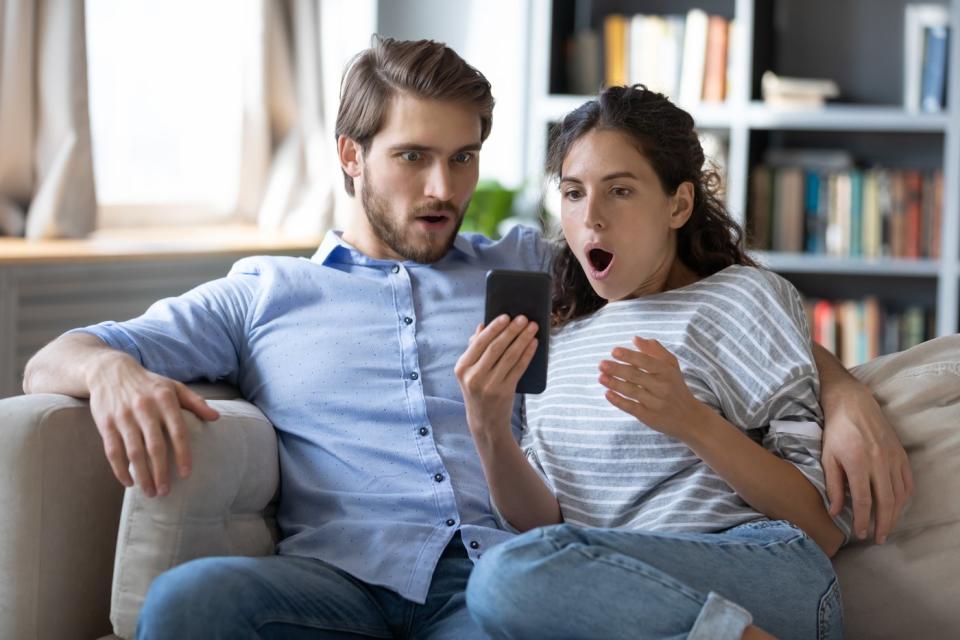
134	409
859	444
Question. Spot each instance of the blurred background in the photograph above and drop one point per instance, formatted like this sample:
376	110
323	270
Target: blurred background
146	145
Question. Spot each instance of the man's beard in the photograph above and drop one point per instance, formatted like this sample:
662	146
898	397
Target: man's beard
394	233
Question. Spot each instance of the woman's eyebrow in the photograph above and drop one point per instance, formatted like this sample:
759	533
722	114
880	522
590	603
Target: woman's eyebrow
609	176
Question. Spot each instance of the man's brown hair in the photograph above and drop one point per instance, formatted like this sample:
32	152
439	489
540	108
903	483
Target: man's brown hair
421	68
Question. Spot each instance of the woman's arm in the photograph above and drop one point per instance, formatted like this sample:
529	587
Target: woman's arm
488	372
860	445
649	385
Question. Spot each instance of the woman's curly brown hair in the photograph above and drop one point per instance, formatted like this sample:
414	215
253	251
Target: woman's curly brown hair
664	133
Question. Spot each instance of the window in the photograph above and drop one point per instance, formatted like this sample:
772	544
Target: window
166	107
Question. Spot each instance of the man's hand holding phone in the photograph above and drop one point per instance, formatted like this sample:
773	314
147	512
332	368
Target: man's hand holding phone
488	373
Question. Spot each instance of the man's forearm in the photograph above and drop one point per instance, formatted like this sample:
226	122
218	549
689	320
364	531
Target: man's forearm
64	365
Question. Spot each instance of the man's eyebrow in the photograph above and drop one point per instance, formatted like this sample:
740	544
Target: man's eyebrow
609	176
473	146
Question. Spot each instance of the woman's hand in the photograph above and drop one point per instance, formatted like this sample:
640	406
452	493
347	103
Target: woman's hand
488	372
860	445
647	383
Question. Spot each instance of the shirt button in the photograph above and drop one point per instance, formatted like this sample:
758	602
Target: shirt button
408	320
414	375
474	544
396	268
438	477
451	522
424	431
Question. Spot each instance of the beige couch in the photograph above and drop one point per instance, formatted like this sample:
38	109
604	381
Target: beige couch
77	553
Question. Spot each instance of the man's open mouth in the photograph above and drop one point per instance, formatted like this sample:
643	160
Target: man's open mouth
600	260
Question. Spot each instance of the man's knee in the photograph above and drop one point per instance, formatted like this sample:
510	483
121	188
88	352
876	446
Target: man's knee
189	597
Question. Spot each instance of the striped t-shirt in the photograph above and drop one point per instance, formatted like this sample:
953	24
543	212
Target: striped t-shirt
741	338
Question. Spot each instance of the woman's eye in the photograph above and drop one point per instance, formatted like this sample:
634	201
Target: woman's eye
410	156
572	194
621	191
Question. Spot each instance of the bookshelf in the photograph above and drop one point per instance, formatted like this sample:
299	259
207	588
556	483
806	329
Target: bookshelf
857	43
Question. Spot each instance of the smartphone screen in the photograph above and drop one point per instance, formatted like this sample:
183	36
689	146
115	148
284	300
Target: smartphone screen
524	293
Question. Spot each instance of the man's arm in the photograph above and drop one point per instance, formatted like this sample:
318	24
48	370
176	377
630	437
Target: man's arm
860	444
132	407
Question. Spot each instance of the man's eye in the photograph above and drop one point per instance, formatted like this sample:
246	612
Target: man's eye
463	158
410	156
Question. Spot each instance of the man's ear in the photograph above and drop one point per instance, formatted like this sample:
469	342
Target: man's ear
350	156
683	205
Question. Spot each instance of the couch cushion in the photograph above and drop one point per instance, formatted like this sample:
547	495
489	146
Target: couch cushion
910	586
222	508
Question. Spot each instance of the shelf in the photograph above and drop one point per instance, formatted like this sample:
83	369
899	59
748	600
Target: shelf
757	115
844	117
707	116
811	263
149	243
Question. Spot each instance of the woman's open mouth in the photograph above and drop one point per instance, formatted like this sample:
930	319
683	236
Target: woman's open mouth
600	262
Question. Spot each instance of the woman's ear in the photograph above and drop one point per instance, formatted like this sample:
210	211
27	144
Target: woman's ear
350	156
682	205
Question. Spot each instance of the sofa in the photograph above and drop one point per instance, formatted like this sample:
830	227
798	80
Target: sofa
78	552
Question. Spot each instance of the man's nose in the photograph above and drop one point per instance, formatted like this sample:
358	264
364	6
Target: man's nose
439	183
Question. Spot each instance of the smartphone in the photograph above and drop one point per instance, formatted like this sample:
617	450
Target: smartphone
524	293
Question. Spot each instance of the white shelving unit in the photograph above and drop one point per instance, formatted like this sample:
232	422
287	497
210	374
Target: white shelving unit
742	117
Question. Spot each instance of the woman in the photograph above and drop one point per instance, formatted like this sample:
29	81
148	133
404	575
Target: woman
678	438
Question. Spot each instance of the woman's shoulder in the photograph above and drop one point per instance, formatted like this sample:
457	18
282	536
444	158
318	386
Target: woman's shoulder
751	279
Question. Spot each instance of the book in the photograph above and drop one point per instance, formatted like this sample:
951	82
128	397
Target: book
815	231
715	66
825	325
615	47
796	92
760	208
933	77
918	17
913	192
733	29
937	215
694	57
856	214
671	54
583	63
788	221
871	232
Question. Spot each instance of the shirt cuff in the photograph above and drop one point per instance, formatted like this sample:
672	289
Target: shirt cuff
114	337
720	619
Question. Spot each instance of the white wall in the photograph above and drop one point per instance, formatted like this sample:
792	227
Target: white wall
492	35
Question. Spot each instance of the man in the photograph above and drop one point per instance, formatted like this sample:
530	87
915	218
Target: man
384	507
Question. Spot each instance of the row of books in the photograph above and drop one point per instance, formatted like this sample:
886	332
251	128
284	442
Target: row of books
869	213
926	48
859	330
685	57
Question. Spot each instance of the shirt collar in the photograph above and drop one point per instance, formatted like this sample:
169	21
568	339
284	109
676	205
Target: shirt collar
334	244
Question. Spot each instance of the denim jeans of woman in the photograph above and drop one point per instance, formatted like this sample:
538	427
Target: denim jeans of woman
572	582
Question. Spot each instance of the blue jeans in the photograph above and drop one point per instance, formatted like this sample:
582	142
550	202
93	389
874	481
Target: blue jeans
571	582
294	597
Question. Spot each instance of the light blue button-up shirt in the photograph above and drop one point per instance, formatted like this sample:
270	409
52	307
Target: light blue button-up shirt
351	359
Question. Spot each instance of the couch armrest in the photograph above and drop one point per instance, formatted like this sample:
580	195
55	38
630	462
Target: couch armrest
225	507
60	506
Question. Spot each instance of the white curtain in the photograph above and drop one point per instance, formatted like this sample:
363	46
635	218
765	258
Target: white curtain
289	169
46	166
